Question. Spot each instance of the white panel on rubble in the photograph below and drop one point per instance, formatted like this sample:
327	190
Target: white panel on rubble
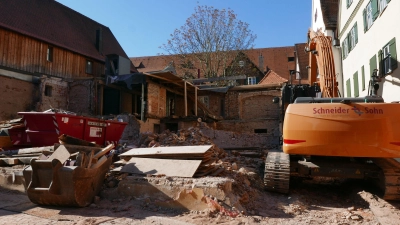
198	149
168	167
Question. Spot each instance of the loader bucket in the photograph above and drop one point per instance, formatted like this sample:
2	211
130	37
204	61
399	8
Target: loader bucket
48	182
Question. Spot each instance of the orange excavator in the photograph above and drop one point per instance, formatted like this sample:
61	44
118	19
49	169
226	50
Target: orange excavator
329	136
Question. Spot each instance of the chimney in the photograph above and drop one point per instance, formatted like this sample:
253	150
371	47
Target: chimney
198	73
99	40
261	62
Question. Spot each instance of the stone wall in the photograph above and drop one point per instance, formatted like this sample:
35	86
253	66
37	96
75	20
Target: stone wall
16	96
231	139
81	96
156	100
252	104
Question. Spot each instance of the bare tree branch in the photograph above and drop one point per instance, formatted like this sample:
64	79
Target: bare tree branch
210	39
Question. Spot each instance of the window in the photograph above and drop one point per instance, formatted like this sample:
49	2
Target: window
387	68
355	82
345	48
349	3
251	80
388	58
350	41
260	131
348	87
370	13
49	56
372	65
353	36
290	59
382	5
89	66
48	90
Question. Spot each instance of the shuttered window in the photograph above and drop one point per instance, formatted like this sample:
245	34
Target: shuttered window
362	78
375	9
348	87
388	57
372	65
355	82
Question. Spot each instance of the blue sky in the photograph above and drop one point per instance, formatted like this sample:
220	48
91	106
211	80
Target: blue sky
142	26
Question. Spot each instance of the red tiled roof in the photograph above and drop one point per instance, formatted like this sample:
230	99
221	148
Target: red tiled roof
272	78
330	10
151	63
275	58
56	24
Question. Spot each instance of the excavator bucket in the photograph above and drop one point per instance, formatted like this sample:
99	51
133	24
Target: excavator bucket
50	183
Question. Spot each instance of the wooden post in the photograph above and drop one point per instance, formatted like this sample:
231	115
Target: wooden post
195	101
185	99
142	109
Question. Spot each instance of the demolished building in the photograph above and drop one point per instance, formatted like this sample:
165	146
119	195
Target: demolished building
56	58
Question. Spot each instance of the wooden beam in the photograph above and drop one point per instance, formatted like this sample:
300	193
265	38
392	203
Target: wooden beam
142	108
186	105
195	101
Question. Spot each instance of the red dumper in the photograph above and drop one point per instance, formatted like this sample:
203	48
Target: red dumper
44	128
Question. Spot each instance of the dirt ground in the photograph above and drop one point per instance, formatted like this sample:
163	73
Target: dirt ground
324	201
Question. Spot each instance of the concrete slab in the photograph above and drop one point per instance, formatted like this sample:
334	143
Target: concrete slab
178	192
168	167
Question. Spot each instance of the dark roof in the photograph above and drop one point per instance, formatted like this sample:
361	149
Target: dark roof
330	10
56	24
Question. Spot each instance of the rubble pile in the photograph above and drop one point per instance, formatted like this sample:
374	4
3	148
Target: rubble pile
184	137
247	172
23	156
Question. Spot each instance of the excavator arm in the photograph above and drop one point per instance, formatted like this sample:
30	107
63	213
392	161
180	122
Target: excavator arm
322	63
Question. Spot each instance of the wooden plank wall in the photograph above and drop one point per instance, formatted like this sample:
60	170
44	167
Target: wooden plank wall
24	53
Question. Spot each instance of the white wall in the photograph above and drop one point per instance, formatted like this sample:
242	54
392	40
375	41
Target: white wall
319	23
384	28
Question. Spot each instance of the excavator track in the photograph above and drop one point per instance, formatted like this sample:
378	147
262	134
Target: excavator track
390	180
277	172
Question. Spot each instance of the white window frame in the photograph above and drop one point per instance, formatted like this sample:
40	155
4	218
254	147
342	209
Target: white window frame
251	80
382	5
89	67
387	60
346	48
353	38
369	15
49	55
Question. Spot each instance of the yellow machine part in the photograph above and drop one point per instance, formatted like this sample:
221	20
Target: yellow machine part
338	129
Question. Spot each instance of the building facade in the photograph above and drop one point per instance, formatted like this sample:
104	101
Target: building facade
369	34
55	57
